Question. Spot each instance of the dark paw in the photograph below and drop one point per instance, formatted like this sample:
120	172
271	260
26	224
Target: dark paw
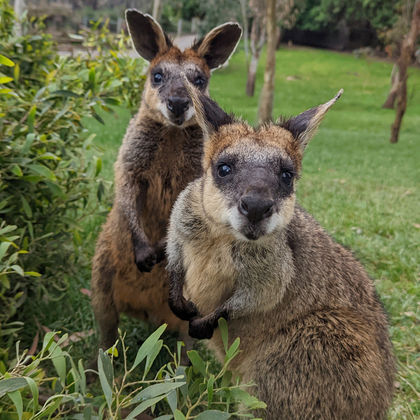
183	309
160	251
145	258
201	328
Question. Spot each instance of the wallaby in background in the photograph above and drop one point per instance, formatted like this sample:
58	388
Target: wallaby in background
161	152
314	336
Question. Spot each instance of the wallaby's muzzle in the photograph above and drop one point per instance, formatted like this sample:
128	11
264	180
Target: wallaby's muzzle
177	107
255	208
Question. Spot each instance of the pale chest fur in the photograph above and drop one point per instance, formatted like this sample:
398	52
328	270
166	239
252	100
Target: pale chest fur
210	273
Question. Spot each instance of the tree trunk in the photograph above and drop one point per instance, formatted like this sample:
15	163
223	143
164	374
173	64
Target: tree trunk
19	9
252	72
245	26
179	28
390	101
267	94
407	51
256	44
157	9
280	33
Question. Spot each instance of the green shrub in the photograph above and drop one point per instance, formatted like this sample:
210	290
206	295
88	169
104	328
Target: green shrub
6	18
175	391
48	169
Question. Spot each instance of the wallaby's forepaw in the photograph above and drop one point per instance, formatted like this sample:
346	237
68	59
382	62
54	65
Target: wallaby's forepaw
201	328
183	308
145	258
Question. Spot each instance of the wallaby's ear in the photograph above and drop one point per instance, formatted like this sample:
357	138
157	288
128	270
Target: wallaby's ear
219	44
148	37
304	126
210	117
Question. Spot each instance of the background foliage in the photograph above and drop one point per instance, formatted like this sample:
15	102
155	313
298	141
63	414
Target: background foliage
183	392
49	173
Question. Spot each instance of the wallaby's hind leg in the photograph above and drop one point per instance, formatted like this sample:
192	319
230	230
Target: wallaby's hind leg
103	304
108	320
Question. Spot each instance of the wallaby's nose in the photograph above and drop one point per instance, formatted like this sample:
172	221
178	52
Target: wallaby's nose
177	105
255	208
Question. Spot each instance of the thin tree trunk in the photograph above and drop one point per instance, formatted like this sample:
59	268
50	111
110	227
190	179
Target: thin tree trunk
280	33
256	44
157	8
245	26
179	28
267	94
252	72
390	100
19	9
407	51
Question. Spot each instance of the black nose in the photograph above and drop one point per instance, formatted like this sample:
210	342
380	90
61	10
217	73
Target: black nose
177	105
255	208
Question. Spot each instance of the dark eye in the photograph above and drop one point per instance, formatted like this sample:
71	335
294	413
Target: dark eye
157	77
224	170
286	177
199	81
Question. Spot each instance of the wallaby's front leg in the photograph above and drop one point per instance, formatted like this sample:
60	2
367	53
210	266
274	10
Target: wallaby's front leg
132	195
181	307
244	301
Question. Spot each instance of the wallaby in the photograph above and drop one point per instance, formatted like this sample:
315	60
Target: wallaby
314	336
161	152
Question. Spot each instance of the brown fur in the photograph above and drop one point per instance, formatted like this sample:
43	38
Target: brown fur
313	333
156	161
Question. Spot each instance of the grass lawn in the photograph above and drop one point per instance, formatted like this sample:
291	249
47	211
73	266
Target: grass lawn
361	188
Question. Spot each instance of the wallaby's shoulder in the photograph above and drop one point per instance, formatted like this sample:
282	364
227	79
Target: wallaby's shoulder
187	213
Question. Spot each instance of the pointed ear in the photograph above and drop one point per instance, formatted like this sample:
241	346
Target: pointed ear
210	117
219	44
304	126
148	37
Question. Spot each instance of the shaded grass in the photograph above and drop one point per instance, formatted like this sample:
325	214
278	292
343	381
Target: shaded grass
361	188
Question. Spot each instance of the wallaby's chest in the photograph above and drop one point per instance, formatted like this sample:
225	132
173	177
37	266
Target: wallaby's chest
210	273
175	163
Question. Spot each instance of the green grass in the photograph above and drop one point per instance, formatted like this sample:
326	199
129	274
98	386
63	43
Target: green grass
361	188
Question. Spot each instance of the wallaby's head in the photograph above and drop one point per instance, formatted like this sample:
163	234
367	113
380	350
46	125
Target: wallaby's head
165	93
250	173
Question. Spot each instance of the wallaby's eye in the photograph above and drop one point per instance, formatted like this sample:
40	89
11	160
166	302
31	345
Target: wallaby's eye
287	177
157	77
199	81
224	170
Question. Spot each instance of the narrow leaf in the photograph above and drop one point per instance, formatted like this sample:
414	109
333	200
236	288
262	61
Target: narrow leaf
232	352
11	384
152	356
26	207
35	394
143	407
210	385
148	345
223	332
213	415
155	390
197	362
59	362
17	401
6	61
106	386
42	171
178	415
251	402
5	79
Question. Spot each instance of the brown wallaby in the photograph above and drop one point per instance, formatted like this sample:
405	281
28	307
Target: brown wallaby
161	152
314	336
